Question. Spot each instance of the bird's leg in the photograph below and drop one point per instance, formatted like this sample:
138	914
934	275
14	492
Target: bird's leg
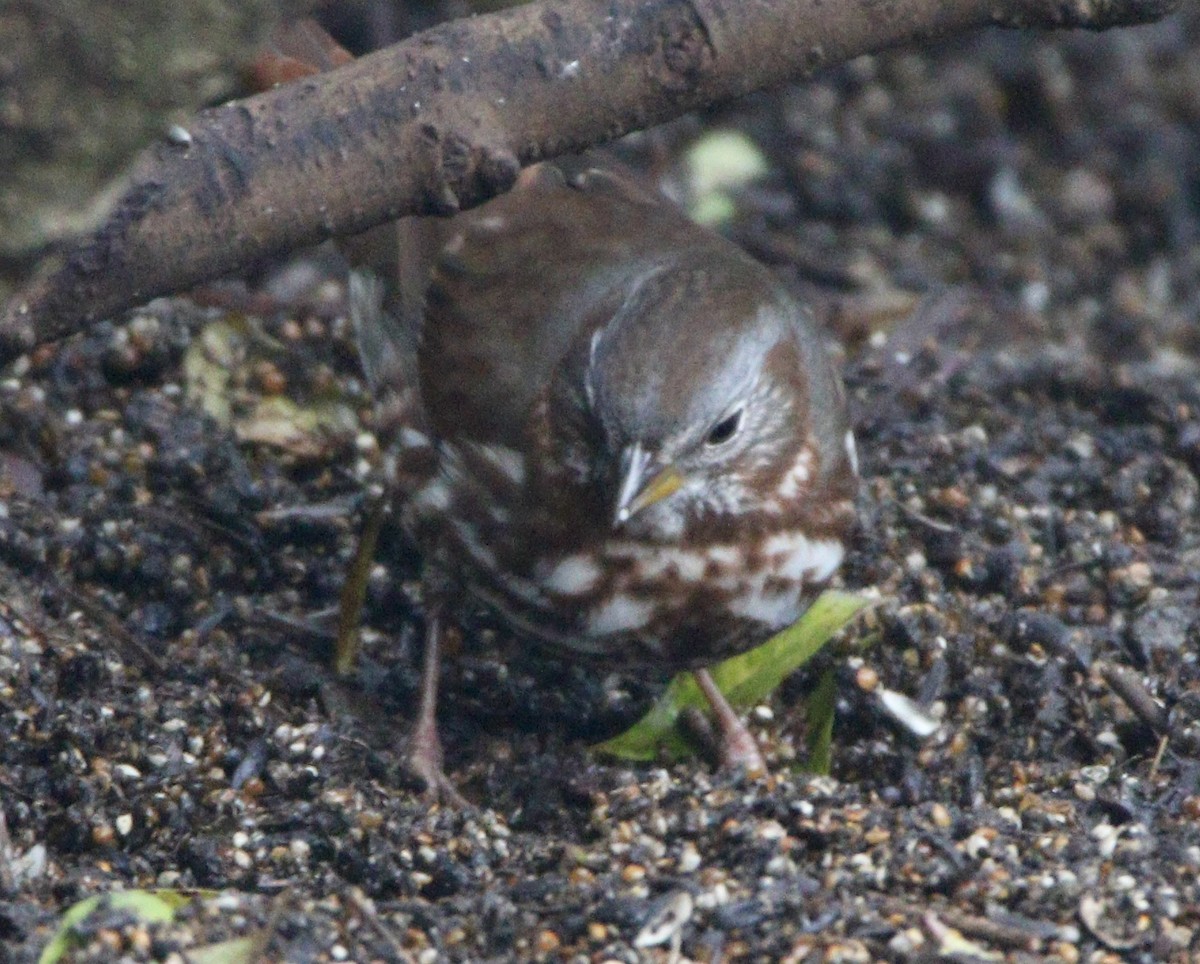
738	748
424	756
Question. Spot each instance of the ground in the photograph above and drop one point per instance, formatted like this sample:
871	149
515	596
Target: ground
1021	214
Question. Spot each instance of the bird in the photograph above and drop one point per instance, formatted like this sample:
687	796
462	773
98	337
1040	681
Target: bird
612	429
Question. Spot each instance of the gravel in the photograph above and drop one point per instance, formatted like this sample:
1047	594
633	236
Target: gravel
1003	230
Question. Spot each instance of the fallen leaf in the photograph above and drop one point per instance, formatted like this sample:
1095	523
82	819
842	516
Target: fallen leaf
149	906
744	679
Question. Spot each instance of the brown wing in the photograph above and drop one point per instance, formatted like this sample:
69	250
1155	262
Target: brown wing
516	284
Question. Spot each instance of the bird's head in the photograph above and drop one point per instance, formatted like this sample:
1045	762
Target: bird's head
707	391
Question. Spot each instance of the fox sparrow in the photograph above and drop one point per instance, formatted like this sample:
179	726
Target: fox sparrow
612	428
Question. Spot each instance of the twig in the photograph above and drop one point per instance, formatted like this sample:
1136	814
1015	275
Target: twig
1133	692
445	120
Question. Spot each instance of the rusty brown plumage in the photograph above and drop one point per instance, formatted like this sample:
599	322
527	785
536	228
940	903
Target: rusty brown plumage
616	430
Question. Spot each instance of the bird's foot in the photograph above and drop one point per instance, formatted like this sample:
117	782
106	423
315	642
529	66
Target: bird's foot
736	747
738	750
424	761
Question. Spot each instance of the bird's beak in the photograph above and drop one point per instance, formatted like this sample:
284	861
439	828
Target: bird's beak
642	483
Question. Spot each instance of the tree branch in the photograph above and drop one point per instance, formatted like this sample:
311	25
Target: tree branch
446	119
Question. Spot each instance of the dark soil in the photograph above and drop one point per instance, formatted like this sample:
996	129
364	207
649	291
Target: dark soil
1022	215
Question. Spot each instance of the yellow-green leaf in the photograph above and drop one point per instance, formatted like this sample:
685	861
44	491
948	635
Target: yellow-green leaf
150	906
239	950
820	707
744	679
209	363
718	163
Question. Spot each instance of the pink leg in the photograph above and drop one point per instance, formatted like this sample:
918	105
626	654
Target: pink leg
425	746
738	749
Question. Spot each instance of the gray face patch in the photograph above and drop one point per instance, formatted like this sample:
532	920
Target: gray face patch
661	406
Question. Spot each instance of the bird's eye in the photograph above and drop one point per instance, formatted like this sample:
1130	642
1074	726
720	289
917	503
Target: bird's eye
725	429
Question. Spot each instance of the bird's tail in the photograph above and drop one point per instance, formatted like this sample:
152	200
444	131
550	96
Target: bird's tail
388	351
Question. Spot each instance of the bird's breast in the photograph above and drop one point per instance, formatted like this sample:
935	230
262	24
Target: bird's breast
687	604
634	603
587	589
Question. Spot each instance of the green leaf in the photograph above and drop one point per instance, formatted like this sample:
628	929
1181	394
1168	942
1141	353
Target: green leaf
821	706
239	950
300	427
744	679
354	591
150	906
718	163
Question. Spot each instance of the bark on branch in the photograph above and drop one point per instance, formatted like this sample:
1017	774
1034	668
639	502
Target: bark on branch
446	119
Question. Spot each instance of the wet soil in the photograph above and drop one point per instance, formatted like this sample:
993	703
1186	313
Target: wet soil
1004	232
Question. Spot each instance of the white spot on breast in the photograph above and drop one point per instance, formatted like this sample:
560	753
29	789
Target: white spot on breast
653	561
797	475
792	558
852	451
620	614
775	609
689	566
574	575
725	556
666	519
792	555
